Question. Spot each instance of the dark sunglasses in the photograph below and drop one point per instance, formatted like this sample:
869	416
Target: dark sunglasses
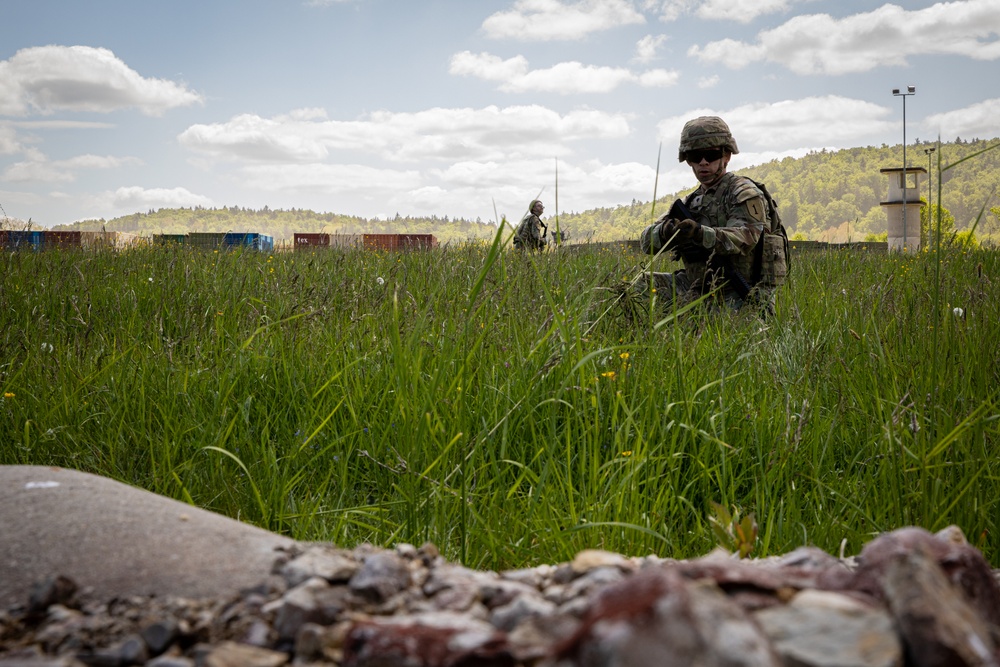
710	155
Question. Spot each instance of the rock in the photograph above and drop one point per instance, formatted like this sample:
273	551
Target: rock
656	617
440	640
130	651
170	661
824	629
50	591
319	561
231	654
517	610
937	625
381	576
535	577
116	540
589	559
964	567
302	605
40	662
451	588
159	635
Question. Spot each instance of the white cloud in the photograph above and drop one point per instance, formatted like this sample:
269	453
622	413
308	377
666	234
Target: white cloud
512	184
138	198
812	122
729	10
972	122
821	44
708	81
669	10
37	168
329	179
541	20
10	143
646	49
488	67
514	75
740	10
46	79
659	78
444	134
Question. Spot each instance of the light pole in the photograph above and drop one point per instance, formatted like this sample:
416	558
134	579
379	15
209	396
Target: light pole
910	90
930	189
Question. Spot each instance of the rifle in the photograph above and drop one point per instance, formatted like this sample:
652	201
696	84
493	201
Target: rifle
695	253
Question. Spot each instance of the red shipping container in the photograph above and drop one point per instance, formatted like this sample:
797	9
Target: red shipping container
417	241
381	241
305	241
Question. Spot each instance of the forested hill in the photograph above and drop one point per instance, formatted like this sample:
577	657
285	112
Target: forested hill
834	195
827	195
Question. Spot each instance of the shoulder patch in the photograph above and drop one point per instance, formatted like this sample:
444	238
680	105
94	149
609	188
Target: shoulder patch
745	189
755	208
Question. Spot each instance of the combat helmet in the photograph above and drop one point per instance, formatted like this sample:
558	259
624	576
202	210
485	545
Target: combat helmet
705	132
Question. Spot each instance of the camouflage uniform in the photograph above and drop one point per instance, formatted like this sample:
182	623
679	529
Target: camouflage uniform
529	231
734	214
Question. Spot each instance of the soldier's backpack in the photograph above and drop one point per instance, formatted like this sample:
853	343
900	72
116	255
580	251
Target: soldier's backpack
771	252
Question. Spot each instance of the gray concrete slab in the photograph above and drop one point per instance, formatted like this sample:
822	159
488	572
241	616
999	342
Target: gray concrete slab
119	540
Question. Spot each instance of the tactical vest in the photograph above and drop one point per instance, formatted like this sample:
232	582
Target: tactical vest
768	264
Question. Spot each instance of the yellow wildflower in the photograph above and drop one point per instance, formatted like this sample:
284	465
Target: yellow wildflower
610	375
623	355
8	394
627	452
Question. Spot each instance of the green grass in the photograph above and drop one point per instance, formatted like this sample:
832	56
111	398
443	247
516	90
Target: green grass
473	398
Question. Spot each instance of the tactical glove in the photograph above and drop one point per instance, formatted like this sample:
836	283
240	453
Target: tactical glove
689	230
668	232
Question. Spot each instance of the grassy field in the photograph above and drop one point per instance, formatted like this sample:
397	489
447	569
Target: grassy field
499	405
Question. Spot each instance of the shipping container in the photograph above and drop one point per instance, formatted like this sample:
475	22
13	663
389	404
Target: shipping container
417	241
381	241
235	240
346	240
249	241
51	239
306	241
207	240
24	240
170	239
115	240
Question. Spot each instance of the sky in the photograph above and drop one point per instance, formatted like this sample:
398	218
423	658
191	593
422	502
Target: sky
459	108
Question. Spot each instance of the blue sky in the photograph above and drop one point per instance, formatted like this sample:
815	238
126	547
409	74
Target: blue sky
456	107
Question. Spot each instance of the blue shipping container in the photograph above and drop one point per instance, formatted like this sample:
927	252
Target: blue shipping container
25	240
242	240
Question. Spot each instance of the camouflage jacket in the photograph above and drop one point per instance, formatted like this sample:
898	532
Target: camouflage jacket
529	233
733	214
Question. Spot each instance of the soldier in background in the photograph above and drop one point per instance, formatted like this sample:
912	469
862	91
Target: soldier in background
529	233
728	241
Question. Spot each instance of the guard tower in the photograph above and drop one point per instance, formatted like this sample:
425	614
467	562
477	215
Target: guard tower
903	208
